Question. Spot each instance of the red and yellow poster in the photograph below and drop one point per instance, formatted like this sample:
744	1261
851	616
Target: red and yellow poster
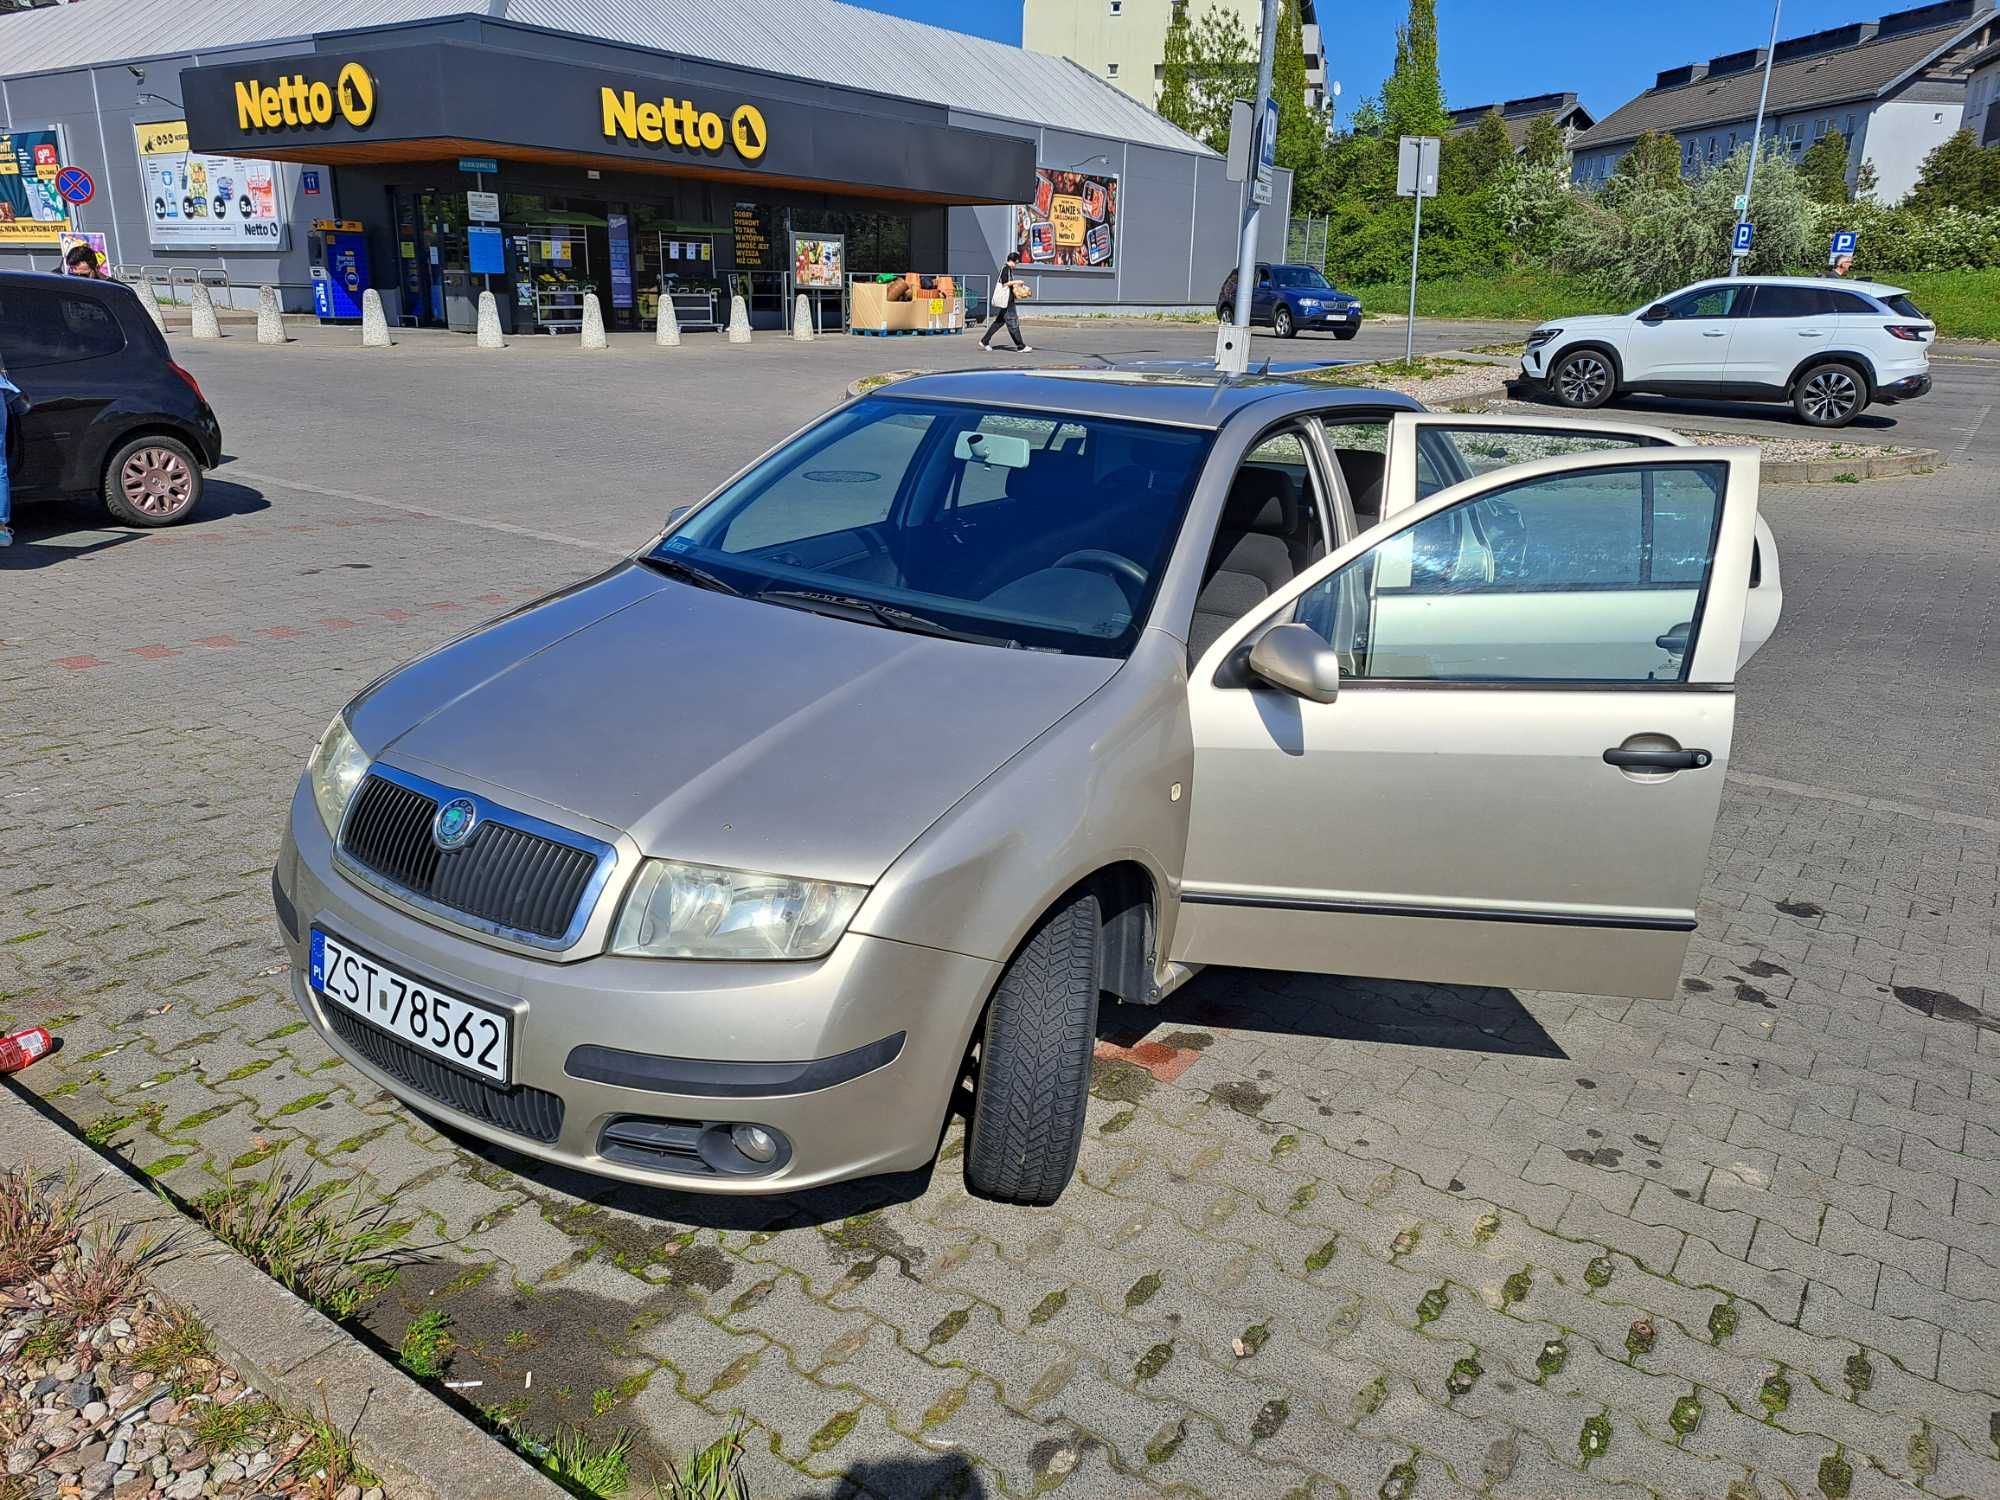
1072	222
33	215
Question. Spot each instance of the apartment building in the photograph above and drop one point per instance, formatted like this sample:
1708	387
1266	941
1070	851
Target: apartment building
1517	114
1894	87
1982	97
1124	41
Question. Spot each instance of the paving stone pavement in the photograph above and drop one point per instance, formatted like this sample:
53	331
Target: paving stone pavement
1330	1236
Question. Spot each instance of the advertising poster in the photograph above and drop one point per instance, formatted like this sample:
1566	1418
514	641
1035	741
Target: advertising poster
1072	223
33	215
621	259
70	239
195	201
752	228
819	261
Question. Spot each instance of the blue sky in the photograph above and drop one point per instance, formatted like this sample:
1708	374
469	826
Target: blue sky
1607	50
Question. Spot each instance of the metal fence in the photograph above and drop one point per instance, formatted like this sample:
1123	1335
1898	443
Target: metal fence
1305	241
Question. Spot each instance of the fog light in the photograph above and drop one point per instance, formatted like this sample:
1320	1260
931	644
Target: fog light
755	1142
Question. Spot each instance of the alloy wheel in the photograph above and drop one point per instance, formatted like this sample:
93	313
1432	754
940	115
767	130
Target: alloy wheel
1281	323
157	481
1830	397
1584	380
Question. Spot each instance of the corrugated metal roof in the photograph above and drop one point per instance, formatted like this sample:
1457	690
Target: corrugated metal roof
1829	78
823	40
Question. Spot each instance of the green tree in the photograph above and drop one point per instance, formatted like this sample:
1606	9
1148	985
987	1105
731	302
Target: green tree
1302	131
1866	181
1222	68
1958	174
1651	164
1473	158
1176	104
1545	144
1412	97
1823	169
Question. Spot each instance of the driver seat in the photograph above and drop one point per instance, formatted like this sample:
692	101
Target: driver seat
1259	548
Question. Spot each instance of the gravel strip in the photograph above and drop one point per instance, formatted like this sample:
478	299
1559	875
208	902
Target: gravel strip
1804	450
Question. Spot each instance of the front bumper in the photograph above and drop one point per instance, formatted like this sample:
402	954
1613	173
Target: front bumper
692	1044
1325	318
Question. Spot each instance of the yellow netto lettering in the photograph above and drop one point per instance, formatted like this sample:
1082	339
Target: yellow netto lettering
295	103
681	123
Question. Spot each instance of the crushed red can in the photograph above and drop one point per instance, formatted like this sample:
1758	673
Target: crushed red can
24	1047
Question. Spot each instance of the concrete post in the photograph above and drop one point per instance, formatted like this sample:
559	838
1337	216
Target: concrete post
739	321
593	323
374	326
802	326
489	323
205	326
668	335
270	321
152	301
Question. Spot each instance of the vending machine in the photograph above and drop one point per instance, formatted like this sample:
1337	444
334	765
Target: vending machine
339	252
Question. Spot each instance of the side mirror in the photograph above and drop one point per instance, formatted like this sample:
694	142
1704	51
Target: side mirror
1298	659
677	512
1657	313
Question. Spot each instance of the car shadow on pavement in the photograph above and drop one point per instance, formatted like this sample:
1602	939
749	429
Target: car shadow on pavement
53	532
943	1474
1472	1018
1874	420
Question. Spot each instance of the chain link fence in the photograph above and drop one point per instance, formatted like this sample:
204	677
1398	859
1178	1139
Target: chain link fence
1305	241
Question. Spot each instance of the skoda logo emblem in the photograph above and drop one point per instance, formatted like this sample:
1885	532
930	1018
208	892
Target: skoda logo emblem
454	823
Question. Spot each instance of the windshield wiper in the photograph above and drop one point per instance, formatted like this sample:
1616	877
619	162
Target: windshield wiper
850	605
700	577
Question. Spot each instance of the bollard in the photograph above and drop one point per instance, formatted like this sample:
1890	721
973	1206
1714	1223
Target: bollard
593	323
739	321
205	326
270	321
668	335
802	328
374	326
489	323
146	295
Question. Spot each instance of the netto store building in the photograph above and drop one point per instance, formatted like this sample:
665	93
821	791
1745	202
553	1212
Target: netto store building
631	147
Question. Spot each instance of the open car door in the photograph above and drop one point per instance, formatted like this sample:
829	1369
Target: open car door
1430	451
1504	763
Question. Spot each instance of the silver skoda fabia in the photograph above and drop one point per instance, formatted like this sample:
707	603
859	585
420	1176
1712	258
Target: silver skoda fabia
848	799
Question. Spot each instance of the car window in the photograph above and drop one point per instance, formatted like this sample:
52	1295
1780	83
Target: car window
1705	302
1903	307
1298	276
45	325
1361	450
1592	577
1788	302
1848	302
1035	529
1446	455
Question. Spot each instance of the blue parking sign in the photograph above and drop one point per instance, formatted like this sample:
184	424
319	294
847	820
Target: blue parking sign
1843	242
1741	243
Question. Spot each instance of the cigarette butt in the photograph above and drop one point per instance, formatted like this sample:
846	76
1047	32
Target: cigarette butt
463	1385
529	1383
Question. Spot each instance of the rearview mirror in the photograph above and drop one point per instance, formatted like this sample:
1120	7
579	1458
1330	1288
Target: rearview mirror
1657	313
677	512
995	450
1298	659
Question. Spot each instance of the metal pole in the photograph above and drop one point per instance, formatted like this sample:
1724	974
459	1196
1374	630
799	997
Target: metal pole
1246	250
1757	132
1416	239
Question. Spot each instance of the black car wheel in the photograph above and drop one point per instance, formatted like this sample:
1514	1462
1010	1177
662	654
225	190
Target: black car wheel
1583	379
1034	1062
1829	395
1281	322
152	481
1224	310
1345	333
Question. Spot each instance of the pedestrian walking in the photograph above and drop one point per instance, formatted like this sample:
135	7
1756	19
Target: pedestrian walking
11	405
1007	292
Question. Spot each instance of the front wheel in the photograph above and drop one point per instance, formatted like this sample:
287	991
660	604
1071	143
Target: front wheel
1582	380
1829	395
1034	1062
1225	310
1344	334
1281	322
152	481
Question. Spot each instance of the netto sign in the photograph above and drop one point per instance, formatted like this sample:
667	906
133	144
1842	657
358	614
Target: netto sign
293	103
678	122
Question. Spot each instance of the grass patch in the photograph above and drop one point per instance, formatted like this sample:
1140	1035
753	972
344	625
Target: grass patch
1523	293
336	1258
39	1215
578	1464
1964	304
1423	367
715	1473
427	1344
177	1340
230	1426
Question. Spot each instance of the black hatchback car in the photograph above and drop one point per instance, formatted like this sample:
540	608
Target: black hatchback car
109	412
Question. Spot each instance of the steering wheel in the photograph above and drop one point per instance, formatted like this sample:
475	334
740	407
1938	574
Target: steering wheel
1126	573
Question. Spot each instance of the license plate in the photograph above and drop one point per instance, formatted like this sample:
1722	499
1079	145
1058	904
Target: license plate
451	1029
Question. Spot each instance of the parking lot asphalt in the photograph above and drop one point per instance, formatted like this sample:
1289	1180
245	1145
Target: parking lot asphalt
1330	1235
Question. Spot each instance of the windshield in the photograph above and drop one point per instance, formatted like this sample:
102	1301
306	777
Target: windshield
1297	276
1017	528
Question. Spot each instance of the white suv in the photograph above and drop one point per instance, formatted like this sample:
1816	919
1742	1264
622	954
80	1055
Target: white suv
1828	347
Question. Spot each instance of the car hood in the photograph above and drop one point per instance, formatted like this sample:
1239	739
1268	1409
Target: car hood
1606	325
720	730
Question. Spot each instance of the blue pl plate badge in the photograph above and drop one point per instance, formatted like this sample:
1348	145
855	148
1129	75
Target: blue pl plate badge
316	971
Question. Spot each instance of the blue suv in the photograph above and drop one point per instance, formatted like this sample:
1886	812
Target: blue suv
1293	297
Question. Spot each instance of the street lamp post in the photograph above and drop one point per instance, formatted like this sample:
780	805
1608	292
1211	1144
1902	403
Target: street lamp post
1757	132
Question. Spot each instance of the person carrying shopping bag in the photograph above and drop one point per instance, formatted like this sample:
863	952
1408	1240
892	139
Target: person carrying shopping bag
1006	293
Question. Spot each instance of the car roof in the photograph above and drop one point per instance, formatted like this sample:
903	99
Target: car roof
32	279
1871	288
1193	399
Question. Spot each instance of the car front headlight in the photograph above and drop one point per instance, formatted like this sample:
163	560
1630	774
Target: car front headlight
337	767
679	910
1541	336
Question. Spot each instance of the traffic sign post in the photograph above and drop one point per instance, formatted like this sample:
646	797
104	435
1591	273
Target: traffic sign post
1267	153
1840	254
1739	244
74	186
1416	177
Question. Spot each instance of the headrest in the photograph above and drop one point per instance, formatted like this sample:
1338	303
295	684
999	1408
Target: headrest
1261	500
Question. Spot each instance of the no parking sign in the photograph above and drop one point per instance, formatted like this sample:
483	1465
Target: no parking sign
75	186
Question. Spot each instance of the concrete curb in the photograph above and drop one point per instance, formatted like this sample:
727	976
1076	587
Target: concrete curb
420	1446
1830	470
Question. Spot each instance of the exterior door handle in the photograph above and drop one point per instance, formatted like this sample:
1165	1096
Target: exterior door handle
1715	333
1811	333
1658	760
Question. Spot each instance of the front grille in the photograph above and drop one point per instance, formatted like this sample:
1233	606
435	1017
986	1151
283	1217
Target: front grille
534	1113
505	876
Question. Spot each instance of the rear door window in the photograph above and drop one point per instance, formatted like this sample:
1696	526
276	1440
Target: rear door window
43	326
1788	302
1903	307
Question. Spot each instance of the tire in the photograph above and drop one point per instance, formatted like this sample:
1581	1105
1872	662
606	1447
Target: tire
1224	311
1583	380
1034	1062
151	481
1281	322
1344	334
1829	395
